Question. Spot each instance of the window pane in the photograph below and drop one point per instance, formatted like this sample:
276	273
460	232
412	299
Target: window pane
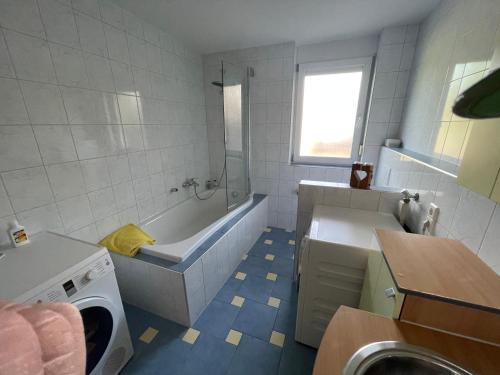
330	105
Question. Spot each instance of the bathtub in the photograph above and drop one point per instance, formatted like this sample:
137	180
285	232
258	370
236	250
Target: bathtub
181	229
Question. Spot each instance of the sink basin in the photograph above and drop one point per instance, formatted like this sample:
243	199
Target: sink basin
397	358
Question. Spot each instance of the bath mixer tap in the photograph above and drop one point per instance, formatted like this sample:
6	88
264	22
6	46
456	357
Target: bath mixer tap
190	182
407	196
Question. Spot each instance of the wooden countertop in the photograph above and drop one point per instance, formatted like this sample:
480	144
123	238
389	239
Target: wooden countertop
350	329
439	268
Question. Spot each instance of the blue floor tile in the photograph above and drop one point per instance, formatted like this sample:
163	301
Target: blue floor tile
256	266
166	358
260	249
285	321
284	251
256	288
285	289
229	290
210	354
296	359
256	319
255	357
283	267
217	319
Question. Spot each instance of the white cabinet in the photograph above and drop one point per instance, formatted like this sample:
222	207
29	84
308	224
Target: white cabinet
333	260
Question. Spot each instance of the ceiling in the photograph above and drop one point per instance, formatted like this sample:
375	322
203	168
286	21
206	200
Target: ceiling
220	25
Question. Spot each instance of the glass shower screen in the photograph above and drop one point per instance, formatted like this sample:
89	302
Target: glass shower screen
236	130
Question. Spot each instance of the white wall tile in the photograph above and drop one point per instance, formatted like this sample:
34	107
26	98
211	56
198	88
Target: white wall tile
365	199
117	44
471	218
12	109
69	66
75	212
93	141
90	107
44	103
55	143
111	13
99	73
90	7
5	207
91	34
95	174
490	247
128	109
21	15
66	180
40	219
102	203
59	22
6	68
18	148
31	57
124	195
27	188
35	113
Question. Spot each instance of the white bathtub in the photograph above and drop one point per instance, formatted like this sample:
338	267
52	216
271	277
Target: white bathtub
179	230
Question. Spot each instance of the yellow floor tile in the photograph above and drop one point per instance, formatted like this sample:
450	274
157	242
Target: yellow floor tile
240	276
274	302
148	335
271	276
291	242
268	242
277	339
238	301
269	257
233	337
244	257
268	230
191	336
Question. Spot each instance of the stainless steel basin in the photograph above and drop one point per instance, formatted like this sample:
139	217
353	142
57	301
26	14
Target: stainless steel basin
397	358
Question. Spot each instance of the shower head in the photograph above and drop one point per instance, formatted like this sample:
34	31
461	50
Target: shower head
217	83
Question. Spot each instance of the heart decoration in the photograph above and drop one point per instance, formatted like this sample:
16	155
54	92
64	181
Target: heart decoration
360	175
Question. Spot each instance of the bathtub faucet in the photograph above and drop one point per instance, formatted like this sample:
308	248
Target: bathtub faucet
190	182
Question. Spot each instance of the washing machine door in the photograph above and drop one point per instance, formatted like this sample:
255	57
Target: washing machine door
99	322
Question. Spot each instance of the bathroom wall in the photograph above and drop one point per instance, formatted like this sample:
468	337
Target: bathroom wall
272	98
100	115
454	49
393	62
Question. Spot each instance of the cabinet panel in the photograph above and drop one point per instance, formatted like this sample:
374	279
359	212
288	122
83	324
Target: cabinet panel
377	281
481	161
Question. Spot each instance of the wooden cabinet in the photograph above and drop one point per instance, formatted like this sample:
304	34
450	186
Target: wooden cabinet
379	294
480	166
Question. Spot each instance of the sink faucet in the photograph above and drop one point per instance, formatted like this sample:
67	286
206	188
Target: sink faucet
407	196
190	182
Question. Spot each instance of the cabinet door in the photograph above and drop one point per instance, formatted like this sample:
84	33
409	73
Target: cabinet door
379	294
480	165
370	282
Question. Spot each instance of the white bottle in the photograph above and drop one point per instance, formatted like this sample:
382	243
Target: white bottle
18	234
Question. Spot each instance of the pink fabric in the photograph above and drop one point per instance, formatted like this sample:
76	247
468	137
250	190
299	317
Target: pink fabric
41	339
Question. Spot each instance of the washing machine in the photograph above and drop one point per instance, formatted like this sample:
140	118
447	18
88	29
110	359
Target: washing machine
57	268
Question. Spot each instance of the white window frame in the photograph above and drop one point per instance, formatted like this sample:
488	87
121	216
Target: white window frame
337	66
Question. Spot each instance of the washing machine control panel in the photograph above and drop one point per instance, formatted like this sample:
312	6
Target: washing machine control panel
69	286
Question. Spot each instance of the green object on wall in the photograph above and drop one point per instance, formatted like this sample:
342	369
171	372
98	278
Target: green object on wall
482	100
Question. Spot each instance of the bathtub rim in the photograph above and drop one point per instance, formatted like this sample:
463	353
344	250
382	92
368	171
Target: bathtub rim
204	234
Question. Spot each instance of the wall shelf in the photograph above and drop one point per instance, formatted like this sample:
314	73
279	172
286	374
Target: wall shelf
443	166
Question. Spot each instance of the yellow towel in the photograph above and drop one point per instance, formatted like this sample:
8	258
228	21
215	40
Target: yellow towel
127	240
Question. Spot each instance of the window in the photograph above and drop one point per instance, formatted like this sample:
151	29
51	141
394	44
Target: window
329	117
